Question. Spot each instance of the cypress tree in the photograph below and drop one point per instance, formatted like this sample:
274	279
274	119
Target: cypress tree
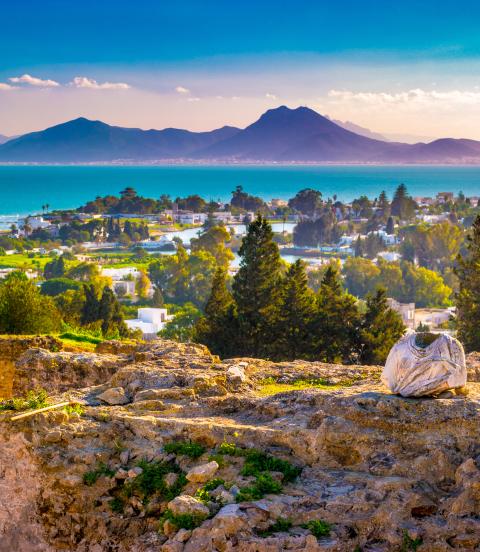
468	295
390	228
110	314
296	309
337	320
216	329
90	308
255	288
380	328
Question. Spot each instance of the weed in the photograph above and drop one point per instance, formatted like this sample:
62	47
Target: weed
75	408
33	399
219	459
90	477
187	448
203	493
280	526
184	521
318	527
152	480
81	338
409	544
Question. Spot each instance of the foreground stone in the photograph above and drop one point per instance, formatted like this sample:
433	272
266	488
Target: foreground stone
382	470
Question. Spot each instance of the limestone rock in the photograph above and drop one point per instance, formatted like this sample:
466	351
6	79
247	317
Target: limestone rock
185	504
114	396
203	473
414	371
236	374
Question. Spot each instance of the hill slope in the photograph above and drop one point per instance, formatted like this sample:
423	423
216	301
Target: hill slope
82	140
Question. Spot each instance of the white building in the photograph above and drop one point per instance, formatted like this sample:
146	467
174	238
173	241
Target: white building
121	273
405	310
390	256
150	321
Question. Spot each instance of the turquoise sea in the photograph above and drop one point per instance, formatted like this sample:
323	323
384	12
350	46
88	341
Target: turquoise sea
24	189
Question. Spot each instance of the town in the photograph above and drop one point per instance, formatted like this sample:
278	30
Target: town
133	245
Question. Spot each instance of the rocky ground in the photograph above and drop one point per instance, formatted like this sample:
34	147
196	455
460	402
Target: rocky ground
174	450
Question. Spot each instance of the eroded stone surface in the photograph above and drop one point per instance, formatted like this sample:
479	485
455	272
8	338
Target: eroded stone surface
376	466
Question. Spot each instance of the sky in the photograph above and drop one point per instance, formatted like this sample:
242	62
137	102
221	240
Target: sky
405	69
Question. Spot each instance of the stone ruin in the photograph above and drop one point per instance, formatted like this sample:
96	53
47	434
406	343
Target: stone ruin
344	464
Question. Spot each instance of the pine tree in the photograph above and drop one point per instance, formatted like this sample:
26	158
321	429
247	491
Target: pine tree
403	205
468	295
255	288
336	323
216	329
296	310
380	328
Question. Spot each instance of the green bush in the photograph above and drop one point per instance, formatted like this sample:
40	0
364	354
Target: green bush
152	480
281	525
90	477
186	448
264	484
318	527
184	521
203	493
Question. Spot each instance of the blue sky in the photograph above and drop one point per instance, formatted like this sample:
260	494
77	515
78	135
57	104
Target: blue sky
406	67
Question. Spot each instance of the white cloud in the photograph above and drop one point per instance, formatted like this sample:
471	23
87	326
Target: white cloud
182	90
193	99
270	96
34	81
415	96
5	86
85	82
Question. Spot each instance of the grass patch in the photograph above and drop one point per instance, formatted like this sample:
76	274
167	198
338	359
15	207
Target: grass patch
280	526
186	448
318	528
33	399
91	477
270	386
183	521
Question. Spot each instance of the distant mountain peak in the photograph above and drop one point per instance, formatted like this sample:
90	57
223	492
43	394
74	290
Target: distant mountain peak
281	134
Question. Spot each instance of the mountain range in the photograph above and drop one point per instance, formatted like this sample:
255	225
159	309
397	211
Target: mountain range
280	135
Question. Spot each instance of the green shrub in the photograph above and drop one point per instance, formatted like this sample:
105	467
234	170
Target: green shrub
116	505
409	544
184	521
203	493
280	526
257	462
186	448
152	480
90	477
318	528
264	484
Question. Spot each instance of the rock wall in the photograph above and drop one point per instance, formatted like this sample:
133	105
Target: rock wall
11	348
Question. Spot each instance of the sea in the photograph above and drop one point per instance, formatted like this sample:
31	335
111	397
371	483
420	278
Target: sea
24	189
